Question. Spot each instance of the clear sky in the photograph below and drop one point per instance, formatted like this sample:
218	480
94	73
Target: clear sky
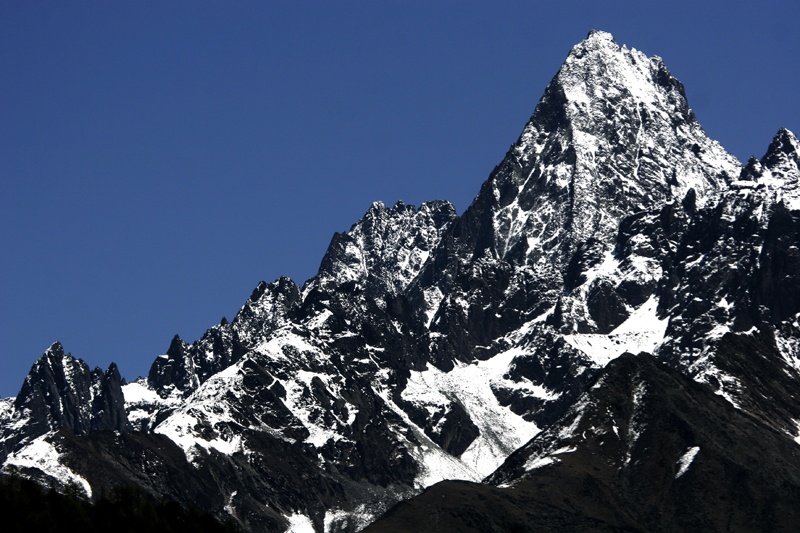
158	159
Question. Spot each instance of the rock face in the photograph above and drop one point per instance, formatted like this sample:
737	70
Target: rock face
489	346
61	392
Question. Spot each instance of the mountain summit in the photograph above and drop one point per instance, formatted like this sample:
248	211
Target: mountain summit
612	135
496	348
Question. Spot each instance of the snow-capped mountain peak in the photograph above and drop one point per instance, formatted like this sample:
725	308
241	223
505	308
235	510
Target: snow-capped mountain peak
431	346
613	135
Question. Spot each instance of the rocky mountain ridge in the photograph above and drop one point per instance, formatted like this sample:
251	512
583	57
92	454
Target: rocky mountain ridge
432	346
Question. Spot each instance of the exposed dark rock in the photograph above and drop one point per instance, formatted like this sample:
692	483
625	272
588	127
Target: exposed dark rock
61	392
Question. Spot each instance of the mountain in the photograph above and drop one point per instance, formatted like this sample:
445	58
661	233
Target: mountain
491	348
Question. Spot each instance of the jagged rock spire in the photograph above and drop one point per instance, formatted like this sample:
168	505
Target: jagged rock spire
61	391
783	156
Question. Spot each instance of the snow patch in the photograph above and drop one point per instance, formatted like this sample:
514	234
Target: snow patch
685	460
300	523
318	322
538	462
229	506
138	392
357	519
501	430
142	403
433	299
43	455
643	331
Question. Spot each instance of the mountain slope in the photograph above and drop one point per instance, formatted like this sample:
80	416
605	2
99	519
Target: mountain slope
644	449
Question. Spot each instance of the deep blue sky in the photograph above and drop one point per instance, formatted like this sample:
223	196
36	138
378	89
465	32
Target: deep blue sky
158	159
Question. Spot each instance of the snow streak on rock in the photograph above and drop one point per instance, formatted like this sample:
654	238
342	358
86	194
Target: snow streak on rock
686	460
